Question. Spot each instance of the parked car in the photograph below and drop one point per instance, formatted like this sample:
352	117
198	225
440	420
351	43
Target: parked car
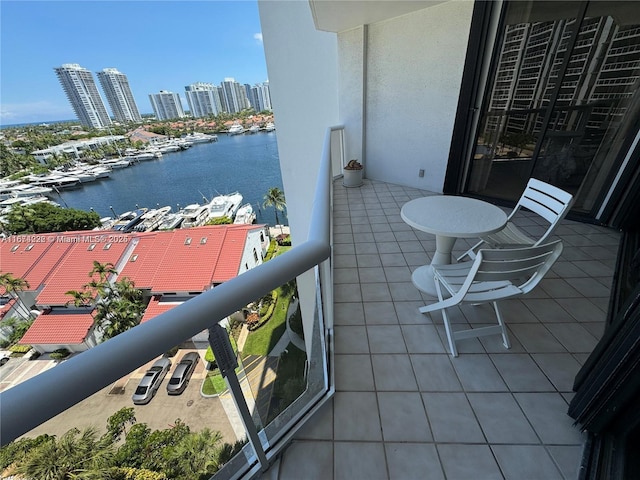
182	373
149	384
4	357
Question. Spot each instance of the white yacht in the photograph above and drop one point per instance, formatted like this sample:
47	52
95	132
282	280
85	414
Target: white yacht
269	127
224	205
254	129
194	215
171	221
235	129
152	219
245	215
198	137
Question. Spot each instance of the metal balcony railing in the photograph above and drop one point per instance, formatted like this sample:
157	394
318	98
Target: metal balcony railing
27	405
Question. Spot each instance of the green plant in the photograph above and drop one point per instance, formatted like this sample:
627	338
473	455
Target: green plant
20	348
59	354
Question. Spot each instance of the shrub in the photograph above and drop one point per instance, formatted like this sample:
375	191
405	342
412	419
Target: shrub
20	348
59	354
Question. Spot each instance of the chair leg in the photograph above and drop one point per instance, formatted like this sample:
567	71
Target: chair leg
450	335
505	336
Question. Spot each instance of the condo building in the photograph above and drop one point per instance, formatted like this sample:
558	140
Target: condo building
204	99
166	105
81	90
115	86
234	96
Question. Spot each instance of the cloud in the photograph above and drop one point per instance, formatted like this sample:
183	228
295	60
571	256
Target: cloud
258	37
39	111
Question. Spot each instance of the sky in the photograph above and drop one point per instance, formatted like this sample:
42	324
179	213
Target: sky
158	45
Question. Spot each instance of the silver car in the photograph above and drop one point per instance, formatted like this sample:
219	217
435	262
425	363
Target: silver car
181	375
149	384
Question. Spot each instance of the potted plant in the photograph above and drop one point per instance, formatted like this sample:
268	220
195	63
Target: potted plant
352	174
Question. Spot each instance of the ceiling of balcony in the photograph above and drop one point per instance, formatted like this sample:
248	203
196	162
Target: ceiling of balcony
338	15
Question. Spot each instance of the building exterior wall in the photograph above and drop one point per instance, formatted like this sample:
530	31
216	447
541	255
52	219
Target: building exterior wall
203	99
302	66
414	68
166	105
253	244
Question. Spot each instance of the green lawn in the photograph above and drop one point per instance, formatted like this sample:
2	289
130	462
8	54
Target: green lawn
262	340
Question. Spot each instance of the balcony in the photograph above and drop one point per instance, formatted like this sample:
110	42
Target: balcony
403	407
385	399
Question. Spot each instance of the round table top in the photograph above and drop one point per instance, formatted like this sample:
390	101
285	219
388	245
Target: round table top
453	216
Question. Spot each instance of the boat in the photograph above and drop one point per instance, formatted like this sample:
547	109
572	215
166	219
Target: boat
128	220
198	137
254	129
54	181
152	219
269	127
224	206
24	190
245	215
116	163
101	171
171	221
235	129
194	215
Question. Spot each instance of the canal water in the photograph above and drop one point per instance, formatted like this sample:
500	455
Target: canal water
245	163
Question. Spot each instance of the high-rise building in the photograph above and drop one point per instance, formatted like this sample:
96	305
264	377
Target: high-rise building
115	86
166	105
204	99
263	96
234	96
81	90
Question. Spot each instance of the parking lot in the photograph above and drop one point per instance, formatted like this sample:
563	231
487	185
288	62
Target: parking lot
191	407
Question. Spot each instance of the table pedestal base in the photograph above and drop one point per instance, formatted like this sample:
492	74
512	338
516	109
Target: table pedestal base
423	280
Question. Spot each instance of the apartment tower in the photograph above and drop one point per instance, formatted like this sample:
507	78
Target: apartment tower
81	90
234	96
166	105
204	99
115	86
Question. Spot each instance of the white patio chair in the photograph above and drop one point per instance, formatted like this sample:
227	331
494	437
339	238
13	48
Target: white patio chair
550	202
492	276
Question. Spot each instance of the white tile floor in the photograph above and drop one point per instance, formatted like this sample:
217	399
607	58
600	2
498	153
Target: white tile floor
404	408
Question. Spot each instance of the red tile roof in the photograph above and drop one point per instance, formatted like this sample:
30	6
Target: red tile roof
58	329
188	260
72	272
156	307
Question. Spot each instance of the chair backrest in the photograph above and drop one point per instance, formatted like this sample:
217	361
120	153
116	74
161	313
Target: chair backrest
507	272
551	203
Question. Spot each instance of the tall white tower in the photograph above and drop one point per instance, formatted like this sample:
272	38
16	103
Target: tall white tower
166	105
81	90
203	99
115	86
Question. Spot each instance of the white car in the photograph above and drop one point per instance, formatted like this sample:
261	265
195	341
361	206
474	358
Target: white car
151	381
4	357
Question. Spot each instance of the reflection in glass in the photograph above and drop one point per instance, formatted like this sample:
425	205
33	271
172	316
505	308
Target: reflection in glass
564	99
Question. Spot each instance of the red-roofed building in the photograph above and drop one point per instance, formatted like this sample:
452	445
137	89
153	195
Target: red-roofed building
169	265
53	331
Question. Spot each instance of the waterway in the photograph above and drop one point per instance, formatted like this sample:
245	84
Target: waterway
245	163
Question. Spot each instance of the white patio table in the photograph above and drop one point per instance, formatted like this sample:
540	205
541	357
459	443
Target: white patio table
450	217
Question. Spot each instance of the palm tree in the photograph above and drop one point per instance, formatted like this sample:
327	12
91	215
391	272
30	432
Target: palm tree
196	454
75	455
275	198
14	285
103	270
81	298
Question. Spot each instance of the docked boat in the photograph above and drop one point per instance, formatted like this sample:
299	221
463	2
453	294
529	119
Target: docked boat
152	219
24	190
254	129
245	215
171	221
235	129
128	220
116	163
224	206
194	215
101	171
269	127
54	181
198	137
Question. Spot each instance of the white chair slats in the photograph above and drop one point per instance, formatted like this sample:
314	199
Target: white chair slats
492	276
547	201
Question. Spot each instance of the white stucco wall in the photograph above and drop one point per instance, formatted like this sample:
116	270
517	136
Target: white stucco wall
413	72
303	82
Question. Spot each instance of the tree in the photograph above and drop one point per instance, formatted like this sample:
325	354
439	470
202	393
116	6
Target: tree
103	270
43	218
76	455
14	285
195	456
275	198
117	423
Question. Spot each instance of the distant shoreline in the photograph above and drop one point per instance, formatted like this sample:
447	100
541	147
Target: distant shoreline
52	122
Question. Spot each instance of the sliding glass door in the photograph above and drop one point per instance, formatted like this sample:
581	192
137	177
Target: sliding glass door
563	101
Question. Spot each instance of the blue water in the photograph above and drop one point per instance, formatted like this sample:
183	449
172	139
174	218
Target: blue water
245	163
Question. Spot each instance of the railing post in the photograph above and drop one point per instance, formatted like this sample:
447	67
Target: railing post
227	363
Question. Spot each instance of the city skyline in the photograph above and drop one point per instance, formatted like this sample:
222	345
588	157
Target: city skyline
218	39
